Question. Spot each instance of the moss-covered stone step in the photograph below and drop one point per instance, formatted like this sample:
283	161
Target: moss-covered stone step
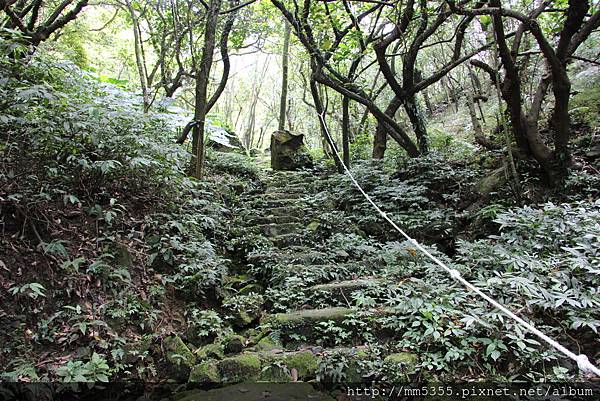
285	240
275	365
267	366
303	364
308	317
282	195
289	256
275	203
289	178
288	210
286	366
305	325
271	218
257	392
302	188
345	273
274	229
281	184
348	285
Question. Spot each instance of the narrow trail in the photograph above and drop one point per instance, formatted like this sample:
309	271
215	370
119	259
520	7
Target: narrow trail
323	302
309	310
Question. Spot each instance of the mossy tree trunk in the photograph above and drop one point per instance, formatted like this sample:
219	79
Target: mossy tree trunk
202	80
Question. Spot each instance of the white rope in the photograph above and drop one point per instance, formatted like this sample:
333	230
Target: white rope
582	360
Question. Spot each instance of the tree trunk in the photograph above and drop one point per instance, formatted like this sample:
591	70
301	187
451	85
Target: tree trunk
284	74
480	137
561	87
428	102
379	142
473	114
382	130
202	78
139	61
314	90
346	129
411	106
395	130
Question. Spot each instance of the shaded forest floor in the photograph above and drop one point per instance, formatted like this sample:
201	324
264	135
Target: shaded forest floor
114	265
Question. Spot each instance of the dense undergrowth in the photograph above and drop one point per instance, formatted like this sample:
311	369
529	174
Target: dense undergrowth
539	260
108	249
106	242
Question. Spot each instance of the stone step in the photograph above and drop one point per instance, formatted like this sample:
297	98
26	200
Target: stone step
337	293
303	188
286	180
292	254
284	240
305	325
270	219
279	212
332	271
290	210
282	195
276	230
256	391
274	363
290	174
307	318
298	184
349	285
278	203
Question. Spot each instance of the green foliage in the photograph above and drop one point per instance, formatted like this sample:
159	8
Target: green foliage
98	186
71	44
417	196
95	370
204	323
585	105
33	290
233	163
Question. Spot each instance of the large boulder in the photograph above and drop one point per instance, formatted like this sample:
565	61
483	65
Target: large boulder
223	140
288	151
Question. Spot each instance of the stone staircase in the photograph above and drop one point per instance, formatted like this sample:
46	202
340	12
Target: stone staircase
299	313
322	281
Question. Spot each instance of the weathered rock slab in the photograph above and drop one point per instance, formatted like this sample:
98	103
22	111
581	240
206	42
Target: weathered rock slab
288	151
258	392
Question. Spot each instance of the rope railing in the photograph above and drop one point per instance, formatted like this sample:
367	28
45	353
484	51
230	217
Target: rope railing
582	360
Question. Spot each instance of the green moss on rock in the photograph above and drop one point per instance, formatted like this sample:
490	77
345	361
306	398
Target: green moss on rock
407	360
233	343
312	226
310	316
275	374
239	368
304	322
305	363
177	352
206	372
210	351
243	318
267	344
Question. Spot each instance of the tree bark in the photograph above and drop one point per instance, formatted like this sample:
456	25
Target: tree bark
284	74
346	129
139	61
314	90
382	130
202	79
411	106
